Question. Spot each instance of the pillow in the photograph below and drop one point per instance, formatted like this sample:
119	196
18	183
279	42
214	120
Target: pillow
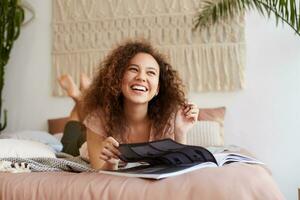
58	136
24	149
205	133
209	130
57	125
213	114
39	136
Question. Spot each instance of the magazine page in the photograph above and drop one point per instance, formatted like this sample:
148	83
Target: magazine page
164	151
227	158
161	158
157	171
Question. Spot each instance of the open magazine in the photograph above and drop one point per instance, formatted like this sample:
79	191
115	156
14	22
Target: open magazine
165	158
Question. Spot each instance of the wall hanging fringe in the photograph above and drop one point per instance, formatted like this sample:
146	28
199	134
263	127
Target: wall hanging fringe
85	30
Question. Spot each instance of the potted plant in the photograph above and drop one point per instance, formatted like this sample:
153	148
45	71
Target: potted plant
11	18
286	11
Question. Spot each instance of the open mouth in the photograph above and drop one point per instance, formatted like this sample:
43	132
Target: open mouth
139	88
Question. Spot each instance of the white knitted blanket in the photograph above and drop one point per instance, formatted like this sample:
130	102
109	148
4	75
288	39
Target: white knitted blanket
63	162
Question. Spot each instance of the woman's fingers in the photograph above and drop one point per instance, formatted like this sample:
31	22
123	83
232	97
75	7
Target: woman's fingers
112	141
109	151
191	111
112	144
187	107
103	157
115	151
109	159
113	161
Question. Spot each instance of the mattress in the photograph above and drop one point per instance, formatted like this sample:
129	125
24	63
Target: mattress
233	181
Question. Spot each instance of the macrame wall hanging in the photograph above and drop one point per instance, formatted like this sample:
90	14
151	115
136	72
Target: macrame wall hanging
85	30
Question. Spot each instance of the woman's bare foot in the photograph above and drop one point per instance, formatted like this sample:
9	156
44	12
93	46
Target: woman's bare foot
67	83
85	82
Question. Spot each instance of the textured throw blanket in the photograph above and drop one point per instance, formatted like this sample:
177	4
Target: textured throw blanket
63	162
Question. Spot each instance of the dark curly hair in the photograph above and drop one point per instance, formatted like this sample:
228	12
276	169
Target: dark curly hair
105	90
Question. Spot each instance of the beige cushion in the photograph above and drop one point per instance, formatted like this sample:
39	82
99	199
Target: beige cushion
216	114
205	133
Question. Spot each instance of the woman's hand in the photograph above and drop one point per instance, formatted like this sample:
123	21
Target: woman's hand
185	118
103	152
109	151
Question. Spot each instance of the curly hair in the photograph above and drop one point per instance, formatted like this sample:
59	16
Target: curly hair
105	91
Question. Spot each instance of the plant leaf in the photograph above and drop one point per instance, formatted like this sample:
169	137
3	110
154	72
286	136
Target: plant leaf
213	11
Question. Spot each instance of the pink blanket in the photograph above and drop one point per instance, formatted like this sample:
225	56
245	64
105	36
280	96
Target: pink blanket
234	181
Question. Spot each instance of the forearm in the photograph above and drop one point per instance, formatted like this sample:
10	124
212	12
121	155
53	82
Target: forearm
100	157
185	119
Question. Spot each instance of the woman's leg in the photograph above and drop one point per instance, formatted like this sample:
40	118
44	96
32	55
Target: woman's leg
73	137
74	131
74	115
85	82
67	83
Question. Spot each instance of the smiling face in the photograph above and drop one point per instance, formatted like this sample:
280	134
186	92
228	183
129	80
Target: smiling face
140	81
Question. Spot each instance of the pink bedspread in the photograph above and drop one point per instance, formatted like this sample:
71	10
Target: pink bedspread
235	181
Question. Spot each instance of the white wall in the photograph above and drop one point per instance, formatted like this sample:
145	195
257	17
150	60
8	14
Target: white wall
27	91
262	118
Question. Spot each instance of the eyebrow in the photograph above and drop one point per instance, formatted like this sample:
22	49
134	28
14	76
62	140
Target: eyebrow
132	64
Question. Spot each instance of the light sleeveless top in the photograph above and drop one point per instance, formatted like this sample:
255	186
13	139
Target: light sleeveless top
96	123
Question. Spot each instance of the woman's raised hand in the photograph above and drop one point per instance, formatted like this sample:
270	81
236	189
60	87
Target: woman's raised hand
109	151
191	112
186	118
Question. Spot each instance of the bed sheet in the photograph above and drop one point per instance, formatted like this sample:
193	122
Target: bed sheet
234	181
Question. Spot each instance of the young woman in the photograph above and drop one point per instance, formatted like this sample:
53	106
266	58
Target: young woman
136	96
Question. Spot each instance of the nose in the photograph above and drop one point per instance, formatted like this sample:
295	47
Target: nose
141	76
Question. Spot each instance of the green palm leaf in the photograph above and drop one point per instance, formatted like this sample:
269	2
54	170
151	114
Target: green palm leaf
285	11
11	18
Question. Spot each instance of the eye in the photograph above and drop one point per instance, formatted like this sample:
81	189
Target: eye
152	73
133	69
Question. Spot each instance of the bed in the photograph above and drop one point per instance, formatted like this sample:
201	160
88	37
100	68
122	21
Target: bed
233	181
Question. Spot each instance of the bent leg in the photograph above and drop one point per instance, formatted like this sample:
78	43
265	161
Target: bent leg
73	138
67	83
85	82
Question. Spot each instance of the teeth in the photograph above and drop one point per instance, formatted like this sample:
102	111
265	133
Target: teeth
138	87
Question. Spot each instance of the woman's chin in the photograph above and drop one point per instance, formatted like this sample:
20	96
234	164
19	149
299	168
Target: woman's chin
139	100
